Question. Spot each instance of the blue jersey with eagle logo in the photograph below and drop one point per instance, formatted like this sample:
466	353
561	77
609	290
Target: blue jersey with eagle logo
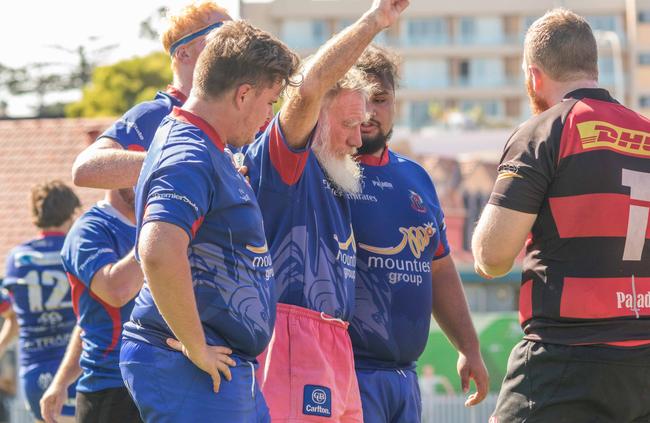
188	181
399	230
308	225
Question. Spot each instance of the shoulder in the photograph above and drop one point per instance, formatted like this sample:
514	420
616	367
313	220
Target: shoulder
544	127
408	166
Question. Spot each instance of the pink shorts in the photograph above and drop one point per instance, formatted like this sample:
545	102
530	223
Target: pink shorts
307	372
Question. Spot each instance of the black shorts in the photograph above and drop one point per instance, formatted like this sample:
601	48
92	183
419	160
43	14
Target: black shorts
575	384
107	406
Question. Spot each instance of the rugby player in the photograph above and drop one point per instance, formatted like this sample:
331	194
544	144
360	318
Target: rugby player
300	168
208	307
37	305
114	160
404	270
105	278
576	177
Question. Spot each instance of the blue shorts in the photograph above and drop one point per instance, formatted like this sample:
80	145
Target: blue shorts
35	380
167	387
390	395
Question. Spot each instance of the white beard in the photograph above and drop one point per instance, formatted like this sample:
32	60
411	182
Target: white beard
344	172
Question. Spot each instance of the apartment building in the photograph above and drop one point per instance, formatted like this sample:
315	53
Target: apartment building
466	55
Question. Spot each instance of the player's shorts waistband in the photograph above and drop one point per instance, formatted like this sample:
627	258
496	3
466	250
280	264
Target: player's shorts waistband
294	310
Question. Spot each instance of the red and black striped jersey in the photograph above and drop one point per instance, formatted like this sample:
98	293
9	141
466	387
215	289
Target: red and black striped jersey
583	167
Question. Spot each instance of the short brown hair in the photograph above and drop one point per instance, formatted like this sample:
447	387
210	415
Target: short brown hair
562	44
381	63
53	203
189	19
238	53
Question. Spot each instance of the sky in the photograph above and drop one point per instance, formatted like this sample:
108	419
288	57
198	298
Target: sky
30	28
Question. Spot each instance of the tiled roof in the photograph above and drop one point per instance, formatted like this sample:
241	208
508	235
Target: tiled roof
33	151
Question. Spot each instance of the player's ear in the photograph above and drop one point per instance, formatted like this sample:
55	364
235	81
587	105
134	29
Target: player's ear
242	94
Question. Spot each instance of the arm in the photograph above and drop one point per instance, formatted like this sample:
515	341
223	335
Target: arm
105	164
9	330
163	251
451	311
498	239
118	283
68	372
300	112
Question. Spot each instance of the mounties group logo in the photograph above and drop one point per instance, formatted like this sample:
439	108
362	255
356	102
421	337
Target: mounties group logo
317	401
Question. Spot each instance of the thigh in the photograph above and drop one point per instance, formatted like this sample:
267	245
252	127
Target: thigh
376	394
409	408
167	387
107	406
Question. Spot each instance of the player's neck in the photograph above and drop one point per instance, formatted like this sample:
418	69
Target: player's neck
559	90
114	198
217	114
183	82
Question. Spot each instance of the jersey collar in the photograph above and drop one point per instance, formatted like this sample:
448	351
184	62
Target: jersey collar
592	93
370	160
44	234
191	118
176	93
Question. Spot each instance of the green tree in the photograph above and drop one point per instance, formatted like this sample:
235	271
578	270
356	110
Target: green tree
116	88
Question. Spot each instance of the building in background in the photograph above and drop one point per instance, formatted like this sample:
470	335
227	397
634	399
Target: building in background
462	60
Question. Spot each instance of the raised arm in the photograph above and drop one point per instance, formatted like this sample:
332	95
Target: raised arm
105	164
300	112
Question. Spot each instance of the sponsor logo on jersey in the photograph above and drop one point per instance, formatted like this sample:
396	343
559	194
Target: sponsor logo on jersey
416	202
417	238
44	380
263	259
634	302
317	401
381	184
36	258
600	134
508	170
349	260
174	196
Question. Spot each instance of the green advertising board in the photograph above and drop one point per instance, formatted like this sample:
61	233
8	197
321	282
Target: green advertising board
498	333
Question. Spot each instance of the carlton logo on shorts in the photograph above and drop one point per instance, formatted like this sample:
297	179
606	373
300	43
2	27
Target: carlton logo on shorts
317	401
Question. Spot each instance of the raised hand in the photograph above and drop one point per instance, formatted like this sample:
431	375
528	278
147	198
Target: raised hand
386	12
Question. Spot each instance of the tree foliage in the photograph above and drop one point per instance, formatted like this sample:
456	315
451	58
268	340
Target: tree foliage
116	88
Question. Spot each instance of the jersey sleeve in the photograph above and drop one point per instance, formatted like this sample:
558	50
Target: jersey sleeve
136	128
273	162
12	269
87	249
525	171
179	190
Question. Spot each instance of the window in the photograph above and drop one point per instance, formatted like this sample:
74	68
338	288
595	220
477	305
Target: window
644	101
606	74
426	74
425	31
489	108
481	73
604	23
482	31
419	115
644	59
304	33
644	16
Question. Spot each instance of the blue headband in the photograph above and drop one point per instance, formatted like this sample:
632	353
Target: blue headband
186	39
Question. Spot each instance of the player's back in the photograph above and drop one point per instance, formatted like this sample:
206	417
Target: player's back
40	294
587	270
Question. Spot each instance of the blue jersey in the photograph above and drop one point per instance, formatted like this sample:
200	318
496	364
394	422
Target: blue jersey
100	237
188	181
40	294
399	229
136	128
307	223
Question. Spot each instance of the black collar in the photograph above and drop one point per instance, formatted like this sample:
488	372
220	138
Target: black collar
593	93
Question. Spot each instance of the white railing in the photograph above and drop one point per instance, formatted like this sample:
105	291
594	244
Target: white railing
435	409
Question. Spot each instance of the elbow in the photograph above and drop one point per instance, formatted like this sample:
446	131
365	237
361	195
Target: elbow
489	261
80	174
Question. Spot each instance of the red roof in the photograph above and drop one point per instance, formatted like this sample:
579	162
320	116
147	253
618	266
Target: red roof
33	151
